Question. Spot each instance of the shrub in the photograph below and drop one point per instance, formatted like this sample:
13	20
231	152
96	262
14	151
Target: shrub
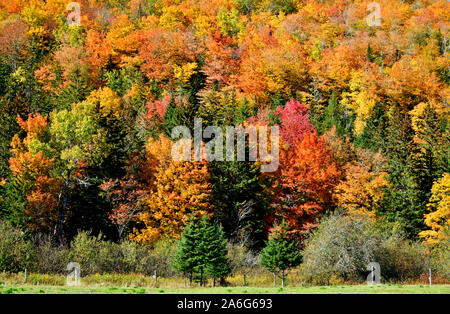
402	259
440	257
51	258
241	259
86	250
162	254
343	245
98	256
16	252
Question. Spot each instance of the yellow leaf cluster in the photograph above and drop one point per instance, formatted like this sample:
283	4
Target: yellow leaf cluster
438	220
108	102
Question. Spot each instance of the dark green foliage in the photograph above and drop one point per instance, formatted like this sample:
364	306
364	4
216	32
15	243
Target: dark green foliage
16	251
414	164
13	202
185	259
240	201
282	251
372	137
336	115
202	251
179	113
87	211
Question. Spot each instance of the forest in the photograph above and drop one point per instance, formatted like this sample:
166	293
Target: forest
90	92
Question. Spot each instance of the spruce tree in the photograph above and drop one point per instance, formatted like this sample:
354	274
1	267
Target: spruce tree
218	265
336	115
281	253
202	251
186	258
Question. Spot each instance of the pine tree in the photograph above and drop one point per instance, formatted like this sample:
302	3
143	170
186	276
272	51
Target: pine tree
186	258
281	253
334	114
202	251
218	265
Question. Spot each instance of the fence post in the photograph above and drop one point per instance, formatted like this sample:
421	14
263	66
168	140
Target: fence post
429	276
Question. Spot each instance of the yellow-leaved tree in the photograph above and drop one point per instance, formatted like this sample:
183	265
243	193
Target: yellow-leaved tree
107	102
361	191
439	218
179	189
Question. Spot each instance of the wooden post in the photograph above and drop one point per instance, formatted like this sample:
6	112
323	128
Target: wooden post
429	276
77	276
373	274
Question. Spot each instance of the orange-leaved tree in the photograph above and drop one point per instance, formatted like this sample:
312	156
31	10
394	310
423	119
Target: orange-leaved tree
179	189
31	165
306	180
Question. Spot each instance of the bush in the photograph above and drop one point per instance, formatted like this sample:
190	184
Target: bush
241	259
162	254
50	258
342	247
440	258
16	252
87	251
402	259
98	256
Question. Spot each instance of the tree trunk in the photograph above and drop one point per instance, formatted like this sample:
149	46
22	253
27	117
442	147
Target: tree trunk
214	281
190	280
245	280
184	276
274	279
282	279
64	206
201	278
120	230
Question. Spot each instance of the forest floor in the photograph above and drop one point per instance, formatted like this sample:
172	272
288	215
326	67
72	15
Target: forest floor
345	289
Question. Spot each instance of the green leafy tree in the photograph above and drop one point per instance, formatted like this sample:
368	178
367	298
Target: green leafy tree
80	141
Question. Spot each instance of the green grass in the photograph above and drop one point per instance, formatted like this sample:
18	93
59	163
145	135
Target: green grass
349	289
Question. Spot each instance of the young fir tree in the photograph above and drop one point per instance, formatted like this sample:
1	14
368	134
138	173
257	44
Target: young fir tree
281	253
336	115
186	258
202	251
215	250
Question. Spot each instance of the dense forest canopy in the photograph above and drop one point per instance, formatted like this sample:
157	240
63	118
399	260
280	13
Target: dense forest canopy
89	96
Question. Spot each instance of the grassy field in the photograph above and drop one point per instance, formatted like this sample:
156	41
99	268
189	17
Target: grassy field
348	289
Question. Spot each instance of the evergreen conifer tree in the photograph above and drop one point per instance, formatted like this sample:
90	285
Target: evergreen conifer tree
281	253
202	251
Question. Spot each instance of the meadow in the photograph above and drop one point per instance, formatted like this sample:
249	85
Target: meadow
342	289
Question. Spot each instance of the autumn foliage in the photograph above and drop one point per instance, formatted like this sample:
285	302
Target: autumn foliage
88	112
